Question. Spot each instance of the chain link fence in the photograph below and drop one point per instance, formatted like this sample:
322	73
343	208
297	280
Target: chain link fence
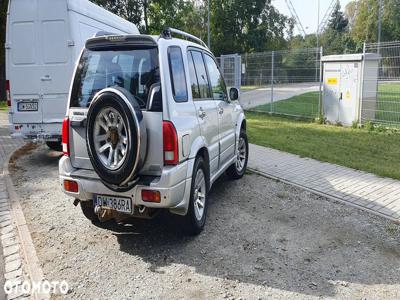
381	103
277	82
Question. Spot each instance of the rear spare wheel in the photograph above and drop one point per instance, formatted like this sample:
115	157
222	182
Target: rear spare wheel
116	138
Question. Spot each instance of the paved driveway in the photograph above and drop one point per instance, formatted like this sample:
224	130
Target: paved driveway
253	98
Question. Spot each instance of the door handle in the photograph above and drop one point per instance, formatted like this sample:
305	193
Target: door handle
220	110
46	78
202	113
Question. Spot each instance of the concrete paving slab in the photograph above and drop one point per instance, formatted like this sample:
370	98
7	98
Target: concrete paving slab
370	192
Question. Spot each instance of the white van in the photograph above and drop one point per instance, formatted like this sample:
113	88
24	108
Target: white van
44	40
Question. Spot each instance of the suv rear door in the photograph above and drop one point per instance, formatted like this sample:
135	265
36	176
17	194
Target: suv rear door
206	107
226	115
135	69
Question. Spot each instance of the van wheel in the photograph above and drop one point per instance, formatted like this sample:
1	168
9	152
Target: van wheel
56	146
238	169
88	211
195	218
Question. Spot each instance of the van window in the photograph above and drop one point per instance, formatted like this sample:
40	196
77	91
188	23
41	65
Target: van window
133	70
177	71
201	75
216	80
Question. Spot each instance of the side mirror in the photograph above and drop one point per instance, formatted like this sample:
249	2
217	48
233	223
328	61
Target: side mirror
154	101
233	94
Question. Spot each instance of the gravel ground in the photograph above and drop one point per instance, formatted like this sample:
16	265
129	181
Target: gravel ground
263	239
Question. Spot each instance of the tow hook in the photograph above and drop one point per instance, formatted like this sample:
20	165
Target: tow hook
97	210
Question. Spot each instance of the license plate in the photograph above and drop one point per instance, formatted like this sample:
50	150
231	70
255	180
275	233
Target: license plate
119	204
28	106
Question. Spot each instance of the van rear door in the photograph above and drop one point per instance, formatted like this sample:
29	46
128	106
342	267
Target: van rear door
24	67
57	47
39	61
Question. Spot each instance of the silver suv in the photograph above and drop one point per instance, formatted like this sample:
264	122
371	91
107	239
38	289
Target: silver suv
149	126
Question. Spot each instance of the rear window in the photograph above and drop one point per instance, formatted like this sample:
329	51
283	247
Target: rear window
134	70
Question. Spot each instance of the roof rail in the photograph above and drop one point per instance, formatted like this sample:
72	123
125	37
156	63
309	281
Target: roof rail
167	34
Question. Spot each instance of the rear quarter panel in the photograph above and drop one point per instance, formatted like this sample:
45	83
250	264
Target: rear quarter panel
182	115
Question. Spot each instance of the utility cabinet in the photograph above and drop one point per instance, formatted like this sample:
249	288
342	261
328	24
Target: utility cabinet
345	97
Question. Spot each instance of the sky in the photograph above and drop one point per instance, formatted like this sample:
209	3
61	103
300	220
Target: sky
307	10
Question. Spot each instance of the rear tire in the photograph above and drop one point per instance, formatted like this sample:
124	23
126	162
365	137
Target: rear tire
55	146
238	169
195	218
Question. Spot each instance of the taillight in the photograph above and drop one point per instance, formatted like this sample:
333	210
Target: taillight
65	136
151	196
71	186
8	93
170	138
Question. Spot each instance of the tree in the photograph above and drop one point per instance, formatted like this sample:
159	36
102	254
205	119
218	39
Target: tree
134	11
365	26
247	26
336	38
338	20
185	15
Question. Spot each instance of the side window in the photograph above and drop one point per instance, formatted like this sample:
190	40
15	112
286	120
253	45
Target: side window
217	81
193	77
177	72
201	74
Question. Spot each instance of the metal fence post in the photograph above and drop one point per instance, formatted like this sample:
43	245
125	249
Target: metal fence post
272	81
320	108
362	85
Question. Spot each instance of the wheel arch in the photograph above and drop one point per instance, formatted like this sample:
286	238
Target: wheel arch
241	124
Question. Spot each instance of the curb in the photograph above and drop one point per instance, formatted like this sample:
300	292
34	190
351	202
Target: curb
266	175
21	261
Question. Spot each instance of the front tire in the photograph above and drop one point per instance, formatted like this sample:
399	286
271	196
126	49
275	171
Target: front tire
238	169
195	219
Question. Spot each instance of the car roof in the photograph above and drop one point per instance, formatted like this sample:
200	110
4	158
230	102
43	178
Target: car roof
140	38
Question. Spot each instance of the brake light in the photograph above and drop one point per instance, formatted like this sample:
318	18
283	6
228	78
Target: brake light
170	139
65	136
151	196
8	93
71	186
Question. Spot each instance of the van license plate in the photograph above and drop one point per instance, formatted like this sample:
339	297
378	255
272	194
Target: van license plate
115	203
28	106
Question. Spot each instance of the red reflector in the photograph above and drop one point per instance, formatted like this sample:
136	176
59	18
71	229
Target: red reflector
65	136
170	139
71	186
8	93
151	196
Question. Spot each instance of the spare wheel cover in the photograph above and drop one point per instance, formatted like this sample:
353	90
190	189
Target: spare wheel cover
116	137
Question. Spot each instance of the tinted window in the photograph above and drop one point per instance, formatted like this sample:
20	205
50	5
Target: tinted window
201	74
134	70
217	82
193	78
179	87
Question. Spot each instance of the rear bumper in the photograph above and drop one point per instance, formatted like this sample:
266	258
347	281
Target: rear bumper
173	185
36	131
